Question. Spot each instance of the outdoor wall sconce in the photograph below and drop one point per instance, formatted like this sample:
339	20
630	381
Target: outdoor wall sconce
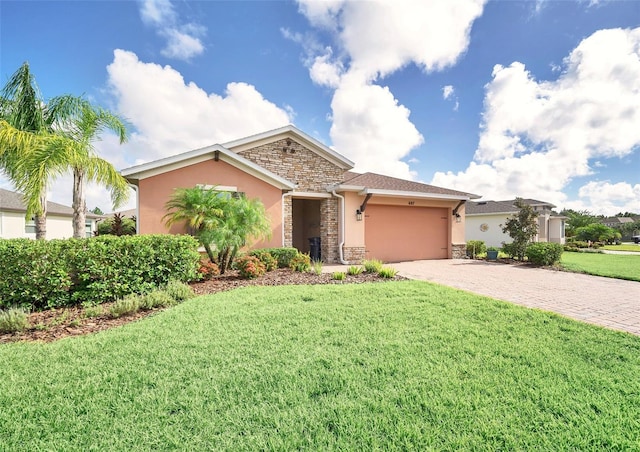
358	215
458	218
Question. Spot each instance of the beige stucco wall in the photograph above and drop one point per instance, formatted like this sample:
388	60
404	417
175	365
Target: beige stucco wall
556	230
493	236
12	225
155	191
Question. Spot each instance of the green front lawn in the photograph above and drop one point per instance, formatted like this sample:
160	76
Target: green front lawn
398	365
624	247
621	266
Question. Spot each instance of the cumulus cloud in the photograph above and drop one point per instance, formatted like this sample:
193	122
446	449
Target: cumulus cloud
537	136
183	39
372	40
448	93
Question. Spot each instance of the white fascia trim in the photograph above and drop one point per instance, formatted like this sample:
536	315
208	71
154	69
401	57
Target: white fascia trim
332	155
346	188
411	194
201	155
490	214
309	194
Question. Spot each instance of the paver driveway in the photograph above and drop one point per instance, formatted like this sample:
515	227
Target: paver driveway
608	302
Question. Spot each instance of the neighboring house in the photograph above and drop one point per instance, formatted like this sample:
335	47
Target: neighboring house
14	224
485	219
308	191
616	222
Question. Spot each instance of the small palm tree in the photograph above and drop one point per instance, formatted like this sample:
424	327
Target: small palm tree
222	222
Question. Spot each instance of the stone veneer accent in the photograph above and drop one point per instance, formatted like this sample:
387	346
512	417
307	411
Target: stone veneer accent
311	173
459	251
354	254
306	168
329	230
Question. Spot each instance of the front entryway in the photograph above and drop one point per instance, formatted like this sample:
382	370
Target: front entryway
306	222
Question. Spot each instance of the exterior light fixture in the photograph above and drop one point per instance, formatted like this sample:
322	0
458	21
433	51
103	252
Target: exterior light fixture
458	218
358	215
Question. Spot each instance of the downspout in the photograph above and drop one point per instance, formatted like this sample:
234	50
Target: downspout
289	193
135	188
341	253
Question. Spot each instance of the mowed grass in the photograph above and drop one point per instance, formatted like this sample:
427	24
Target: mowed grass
624	247
393	366
621	266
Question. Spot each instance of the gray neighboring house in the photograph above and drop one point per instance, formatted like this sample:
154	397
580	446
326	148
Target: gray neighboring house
484	220
14	224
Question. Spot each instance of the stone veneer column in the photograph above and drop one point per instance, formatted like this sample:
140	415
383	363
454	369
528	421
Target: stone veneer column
459	251
354	254
329	230
287	207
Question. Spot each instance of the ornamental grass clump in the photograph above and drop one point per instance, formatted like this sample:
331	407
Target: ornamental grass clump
339	276
156	299
13	320
372	265
125	306
179	291
354	270
387	272
316	267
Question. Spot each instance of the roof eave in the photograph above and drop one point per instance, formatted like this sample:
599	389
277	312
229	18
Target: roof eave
413	194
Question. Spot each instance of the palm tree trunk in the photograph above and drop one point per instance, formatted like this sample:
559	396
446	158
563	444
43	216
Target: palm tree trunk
79	204
41	220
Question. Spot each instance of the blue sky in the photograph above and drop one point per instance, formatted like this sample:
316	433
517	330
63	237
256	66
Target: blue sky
537	99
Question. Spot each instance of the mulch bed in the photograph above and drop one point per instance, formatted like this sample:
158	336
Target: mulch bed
54	324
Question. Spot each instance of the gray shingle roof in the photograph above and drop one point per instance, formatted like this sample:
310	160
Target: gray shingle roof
488	207
378	181
12	201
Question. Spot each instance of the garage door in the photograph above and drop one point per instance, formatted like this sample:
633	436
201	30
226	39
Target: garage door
401	233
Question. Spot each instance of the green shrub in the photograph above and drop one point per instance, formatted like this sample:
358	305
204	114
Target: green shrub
301	263
387	272
372	265
282	255
476	247
156	299
250	267
509	249
339	276
208	270
125	306
270	262
41	274
179	291
544	253
13	320
354	270
91	312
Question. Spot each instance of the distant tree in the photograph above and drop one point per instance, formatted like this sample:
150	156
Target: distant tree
627	214
577	219
97	211
597	232
117	225
522	228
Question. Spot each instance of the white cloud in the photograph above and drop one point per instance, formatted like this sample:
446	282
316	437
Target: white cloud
183	39
447	91
374	39
537	136
171	115
608	198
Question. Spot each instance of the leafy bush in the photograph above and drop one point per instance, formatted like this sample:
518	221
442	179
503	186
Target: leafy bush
387	272
300	263
339	276
208	270
91	311
270	262
42	274
250	267
509	249
475	247
372	265
156	299
544	253
354	270
125	306
13	320
282	255
179	291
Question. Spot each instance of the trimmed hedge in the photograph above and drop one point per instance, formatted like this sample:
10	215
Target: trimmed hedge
544	253
40	274
282	255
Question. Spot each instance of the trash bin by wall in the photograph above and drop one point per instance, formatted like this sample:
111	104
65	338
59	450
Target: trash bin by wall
314	245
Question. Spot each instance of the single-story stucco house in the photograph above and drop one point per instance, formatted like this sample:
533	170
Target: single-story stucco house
485	219
14	224
309	191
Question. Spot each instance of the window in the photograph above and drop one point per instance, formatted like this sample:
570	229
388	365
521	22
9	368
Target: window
30	226
88	229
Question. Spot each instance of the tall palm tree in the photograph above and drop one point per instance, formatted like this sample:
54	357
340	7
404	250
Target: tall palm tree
40	141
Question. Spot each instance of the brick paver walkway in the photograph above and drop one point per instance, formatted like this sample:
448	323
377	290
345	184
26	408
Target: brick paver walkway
607	302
